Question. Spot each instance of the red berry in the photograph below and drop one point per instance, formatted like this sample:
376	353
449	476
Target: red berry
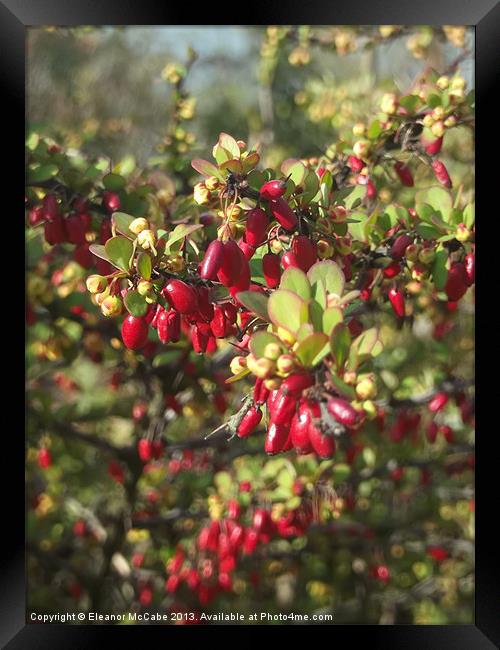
470	268
299	429
271	269
199	338
284	214
397	301
276	438
145	449
399	246
247	250
343	412
212	260
356	164
181	296
105	230
231	265
218	324
111	201
54	231
404	173
441	173
289	259
295	384
134	332
434	147
75	229
256	227
282	408
457	282
438	402
392	270
322	443
115	470
273	190
431	432
44	458
83	256
305	252
249	422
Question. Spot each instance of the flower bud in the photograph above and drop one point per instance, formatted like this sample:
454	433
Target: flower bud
201	194
96	283
238	364
272	351
212	183
146	239
144	287
463	233
285	363
263	368
111	306
366	388
389	104
426	255
138	225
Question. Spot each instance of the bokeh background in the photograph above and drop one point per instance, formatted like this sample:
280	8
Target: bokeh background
155	98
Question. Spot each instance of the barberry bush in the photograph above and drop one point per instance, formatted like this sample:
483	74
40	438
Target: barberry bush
250	376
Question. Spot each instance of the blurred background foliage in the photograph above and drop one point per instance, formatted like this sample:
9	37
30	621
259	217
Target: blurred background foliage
156	98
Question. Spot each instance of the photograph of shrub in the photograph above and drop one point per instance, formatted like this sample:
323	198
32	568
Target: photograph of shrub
250	324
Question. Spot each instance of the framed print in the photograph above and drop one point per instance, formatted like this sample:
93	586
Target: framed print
250	324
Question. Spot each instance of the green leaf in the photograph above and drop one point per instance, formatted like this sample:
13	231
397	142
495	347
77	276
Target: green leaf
410	102
286	310
220	154
329	274
340	341
438	197
121	222
295	169
229	144
126	166
433	101
427	231
344	389
144	265
119	250
206	168
309	349
179	232
304	331
469	215
135	304
99	251
168	357
237	377
113	182
439	269
296	280
365	341
355	196
42	173
256	302
374	130
311	187
331	317
250	162
233	165
259	340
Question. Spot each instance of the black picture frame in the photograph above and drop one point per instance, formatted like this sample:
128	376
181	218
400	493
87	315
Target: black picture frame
15	17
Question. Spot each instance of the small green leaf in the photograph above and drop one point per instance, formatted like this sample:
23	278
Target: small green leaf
99	251
357	194
309	349
304	331
286	310
256	302
237	377
126	166
340	341
439	269
206	168
144	265
233	165
344	389
295	169
311	187
365	341
427	231
329	274
42	173
113	182
331	317
179	232
135	304
250	162
296	280
119	250
259	340
121	222
469	215
374	130
229	144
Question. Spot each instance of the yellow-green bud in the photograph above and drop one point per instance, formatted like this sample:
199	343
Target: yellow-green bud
285	363
272	351
138	225
144	287
237	365
146	239
111	306
96	283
